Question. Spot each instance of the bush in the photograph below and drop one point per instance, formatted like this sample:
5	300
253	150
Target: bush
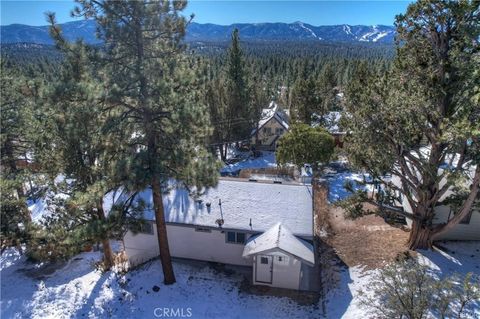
305	145
410	290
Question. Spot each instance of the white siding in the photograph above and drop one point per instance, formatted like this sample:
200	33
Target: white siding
267	138
470	231
186	242
285	275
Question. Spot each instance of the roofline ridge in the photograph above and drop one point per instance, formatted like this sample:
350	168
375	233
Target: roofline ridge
278	235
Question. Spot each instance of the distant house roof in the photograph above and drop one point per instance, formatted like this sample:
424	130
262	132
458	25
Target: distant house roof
272	112
250	206
279	237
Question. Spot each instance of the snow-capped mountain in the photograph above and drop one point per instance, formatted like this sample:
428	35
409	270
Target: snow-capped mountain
297	31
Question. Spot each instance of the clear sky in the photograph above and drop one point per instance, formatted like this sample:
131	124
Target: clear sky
234	11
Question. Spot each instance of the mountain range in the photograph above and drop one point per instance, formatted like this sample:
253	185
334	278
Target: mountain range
297	31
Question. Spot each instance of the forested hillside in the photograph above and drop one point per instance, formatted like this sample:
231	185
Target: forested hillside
297	31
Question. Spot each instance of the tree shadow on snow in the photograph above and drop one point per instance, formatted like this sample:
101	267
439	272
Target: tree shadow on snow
449	258
25	283
335	279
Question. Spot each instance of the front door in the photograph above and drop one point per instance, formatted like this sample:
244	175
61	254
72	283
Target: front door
264	269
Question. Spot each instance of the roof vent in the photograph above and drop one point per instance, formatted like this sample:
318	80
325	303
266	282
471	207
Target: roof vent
219	222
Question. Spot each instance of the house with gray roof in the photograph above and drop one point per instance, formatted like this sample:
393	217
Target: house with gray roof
263	225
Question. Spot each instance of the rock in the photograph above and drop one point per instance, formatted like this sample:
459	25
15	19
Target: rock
156	288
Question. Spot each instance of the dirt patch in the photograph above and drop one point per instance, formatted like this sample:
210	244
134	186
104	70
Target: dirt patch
367	241
304	298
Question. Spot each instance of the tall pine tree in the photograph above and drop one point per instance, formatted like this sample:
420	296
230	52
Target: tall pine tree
78	146
16	109
241	114
154	90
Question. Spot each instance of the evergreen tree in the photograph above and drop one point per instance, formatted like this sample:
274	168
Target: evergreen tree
305	100
327	89
420	122
15	144
79	147
215	98
153	88
304	144
241	114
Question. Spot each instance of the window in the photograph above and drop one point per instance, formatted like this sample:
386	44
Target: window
235	238
264	260
466	219
282	260
241	238
203	229
231	238
267	130
278	130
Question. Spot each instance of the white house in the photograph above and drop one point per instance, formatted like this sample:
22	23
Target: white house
467	229
264	225
272	125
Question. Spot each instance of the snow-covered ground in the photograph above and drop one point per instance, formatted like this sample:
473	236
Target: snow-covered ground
266	160
336	185
78	291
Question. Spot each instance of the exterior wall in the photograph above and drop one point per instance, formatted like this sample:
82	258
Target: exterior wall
470	231
285	275
186	242
266	139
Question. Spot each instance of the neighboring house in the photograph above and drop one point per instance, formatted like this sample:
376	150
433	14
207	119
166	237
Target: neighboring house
272	125
467	229
266	226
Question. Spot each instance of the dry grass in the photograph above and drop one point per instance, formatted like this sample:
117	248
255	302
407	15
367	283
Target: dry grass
367	241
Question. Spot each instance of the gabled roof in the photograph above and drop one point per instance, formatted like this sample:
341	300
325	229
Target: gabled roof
272	112
280	237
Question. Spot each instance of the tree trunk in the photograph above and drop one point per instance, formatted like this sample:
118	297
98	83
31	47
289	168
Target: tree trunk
9	155
165	258
108	256
420	237
222	155
225	151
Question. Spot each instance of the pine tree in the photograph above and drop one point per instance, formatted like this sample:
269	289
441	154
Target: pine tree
16	99
77	145
430	95
241	114
304	144
153	88
305	100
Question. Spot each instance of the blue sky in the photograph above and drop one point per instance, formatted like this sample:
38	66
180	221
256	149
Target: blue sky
231	11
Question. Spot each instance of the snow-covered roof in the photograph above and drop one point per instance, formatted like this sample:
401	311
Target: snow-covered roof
279	237
272	112
242	202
